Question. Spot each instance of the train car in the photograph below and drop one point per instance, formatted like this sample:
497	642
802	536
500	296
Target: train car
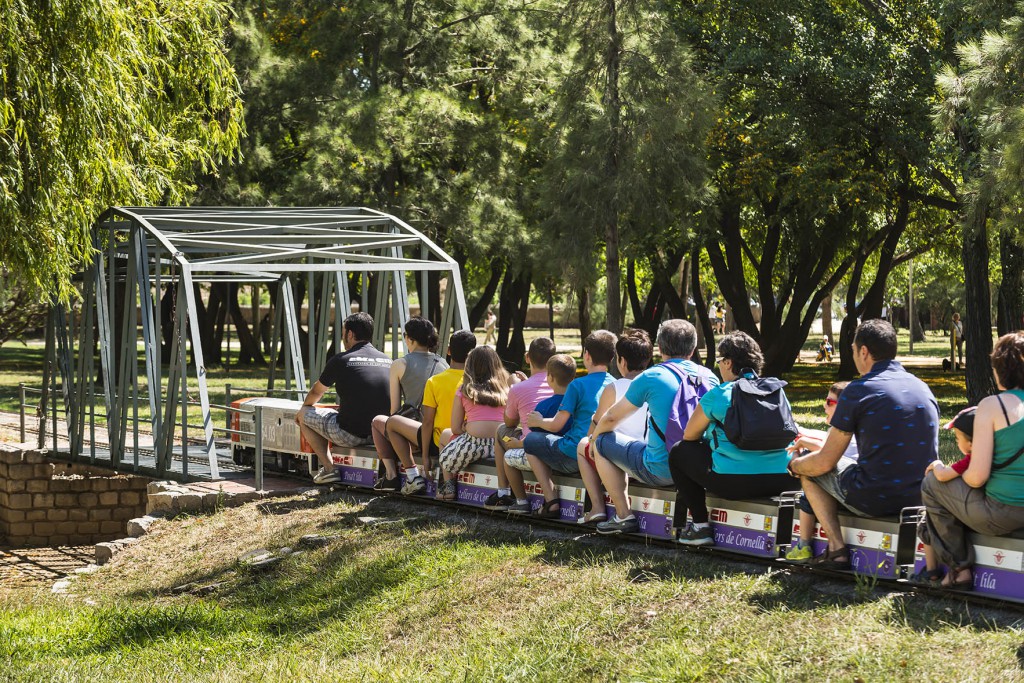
886	549
284	448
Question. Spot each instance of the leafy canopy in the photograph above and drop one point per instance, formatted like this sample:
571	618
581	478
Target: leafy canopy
103	102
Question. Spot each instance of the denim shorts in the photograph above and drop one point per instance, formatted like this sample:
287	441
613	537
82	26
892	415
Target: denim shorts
545	447
832	483
628	455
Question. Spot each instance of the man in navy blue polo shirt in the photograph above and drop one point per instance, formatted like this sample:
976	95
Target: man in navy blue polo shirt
896	421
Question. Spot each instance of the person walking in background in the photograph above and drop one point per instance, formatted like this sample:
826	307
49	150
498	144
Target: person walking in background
490	321
956	331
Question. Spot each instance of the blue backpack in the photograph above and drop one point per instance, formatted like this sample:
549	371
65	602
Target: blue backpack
691	388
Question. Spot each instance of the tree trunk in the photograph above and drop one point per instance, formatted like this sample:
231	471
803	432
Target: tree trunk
701	309
1011	290
506	307
248	345
513	307
551	310
516	350
847	368
826	317
977	300
613	105
476	314
583	302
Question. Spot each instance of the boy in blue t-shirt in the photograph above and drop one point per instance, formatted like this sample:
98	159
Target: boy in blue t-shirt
561	370
550	452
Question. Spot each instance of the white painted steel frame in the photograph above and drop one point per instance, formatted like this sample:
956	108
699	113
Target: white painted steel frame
148	248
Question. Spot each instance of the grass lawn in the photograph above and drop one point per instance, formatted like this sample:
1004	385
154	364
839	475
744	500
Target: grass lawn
451	595
456	595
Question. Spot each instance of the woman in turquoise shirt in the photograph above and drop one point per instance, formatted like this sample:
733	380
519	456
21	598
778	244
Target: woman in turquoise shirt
989	497
705	460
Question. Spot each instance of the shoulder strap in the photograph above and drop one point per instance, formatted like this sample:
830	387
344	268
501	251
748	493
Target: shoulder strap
1001	405
682	376
1012	459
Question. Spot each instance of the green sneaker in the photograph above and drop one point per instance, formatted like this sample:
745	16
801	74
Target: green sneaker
800	553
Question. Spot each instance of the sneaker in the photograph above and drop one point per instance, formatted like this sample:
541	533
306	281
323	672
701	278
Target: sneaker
800	553
385	484
326	476
519	508
414	486
499	503
619	526
691	535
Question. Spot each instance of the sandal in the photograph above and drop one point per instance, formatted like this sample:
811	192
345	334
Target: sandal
593	518
931	578
448	491
545	511
961	585
834	560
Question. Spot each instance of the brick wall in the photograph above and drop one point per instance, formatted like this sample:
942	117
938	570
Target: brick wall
44	503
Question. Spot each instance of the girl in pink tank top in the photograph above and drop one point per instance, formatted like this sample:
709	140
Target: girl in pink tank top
478	409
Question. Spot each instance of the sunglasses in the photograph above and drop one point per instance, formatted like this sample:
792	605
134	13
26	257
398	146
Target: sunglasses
831	401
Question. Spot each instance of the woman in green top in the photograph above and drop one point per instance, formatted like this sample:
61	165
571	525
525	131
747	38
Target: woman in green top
989	497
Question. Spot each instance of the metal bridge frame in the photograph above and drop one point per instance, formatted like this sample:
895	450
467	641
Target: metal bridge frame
150	248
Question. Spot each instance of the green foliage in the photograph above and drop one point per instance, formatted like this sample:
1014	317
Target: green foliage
103	102
414	108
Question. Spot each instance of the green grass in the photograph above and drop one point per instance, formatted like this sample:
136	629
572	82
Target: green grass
454	596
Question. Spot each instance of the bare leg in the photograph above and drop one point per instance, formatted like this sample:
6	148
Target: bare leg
404	435
826	509
499	462
515	482
807	523
931	558
595	491
384	450
320	445
543	474
615	482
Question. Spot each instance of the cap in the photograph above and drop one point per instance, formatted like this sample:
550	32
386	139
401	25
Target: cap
964	421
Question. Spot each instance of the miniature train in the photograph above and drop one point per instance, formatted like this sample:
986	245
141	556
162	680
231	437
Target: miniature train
886	549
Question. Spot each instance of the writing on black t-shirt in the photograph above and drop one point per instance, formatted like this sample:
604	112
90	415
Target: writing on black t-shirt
360	377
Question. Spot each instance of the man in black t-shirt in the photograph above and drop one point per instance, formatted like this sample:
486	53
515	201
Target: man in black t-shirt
360	376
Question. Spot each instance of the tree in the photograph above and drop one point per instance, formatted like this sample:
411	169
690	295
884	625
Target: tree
421	109
628	156
101	103
824	120
979	112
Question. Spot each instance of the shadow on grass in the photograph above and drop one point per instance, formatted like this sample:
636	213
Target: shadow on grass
927	614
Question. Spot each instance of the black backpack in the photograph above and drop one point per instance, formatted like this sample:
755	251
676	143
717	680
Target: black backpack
759	417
